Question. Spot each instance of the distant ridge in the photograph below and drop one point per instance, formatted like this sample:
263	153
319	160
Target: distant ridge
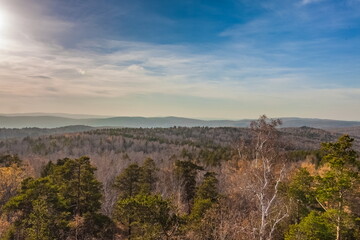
6	133
65	115
7	121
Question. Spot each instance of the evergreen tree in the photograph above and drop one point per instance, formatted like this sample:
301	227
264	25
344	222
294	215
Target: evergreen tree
62	204
47	169
208	188
132	183
151	216
82	193
338	181
129	181
78	185
40	210
205	199
301	191
315	226
327	195
39	221
186	171
148	176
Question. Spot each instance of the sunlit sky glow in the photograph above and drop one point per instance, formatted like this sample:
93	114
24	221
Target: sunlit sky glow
202	59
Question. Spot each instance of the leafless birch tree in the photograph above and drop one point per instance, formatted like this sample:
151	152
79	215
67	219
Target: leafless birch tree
263	170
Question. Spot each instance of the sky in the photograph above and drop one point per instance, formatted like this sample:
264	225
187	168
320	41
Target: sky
229	59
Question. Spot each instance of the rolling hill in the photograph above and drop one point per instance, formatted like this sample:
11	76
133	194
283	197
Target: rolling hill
7	121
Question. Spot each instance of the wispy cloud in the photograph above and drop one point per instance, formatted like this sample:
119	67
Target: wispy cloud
254	70
141	68
305	2
154	70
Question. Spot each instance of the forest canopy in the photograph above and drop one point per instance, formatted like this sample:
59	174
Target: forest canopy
259	187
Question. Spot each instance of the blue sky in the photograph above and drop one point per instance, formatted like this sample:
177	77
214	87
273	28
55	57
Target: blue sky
201	59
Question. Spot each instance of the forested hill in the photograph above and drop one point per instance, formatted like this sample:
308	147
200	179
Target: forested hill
164	122
35	132
112	149
174	183
306	137
207	145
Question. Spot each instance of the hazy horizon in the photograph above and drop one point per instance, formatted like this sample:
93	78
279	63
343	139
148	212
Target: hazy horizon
204	60
85	116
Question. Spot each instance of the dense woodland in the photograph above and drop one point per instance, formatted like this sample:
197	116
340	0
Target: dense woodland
260	182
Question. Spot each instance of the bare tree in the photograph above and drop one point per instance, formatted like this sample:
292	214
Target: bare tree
263	168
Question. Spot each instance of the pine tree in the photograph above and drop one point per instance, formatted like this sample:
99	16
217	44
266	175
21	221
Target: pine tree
62	204
78	185
301	191
186	171
339	181
151	216
134	181
40	210
39	221
327	194
208	188
148	176
129	181
314	226
206	198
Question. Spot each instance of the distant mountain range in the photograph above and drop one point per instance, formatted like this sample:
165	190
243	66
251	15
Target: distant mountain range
35	120
66	115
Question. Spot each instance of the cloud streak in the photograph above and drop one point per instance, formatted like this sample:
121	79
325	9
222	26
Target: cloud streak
141	68
305	2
